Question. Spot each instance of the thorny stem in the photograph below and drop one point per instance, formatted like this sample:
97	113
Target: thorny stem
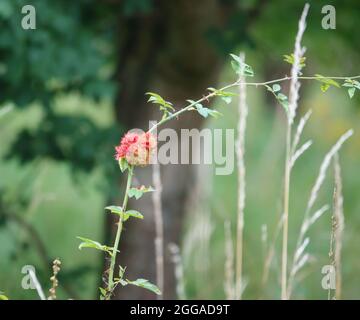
237	83
118	232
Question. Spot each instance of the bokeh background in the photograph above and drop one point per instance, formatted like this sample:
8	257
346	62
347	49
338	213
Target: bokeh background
73	86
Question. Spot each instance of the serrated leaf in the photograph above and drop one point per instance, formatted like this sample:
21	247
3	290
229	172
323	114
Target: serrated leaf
146	284
351	92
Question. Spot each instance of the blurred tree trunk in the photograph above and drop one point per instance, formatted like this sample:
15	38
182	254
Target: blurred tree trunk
165	52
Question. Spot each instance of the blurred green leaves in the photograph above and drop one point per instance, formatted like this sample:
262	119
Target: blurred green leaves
70	51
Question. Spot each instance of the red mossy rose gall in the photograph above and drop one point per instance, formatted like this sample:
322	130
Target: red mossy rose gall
137	148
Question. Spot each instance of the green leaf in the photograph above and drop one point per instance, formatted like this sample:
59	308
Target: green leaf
276	87
240	67
123	164
214	113
291	58
125	215
119	211
122	282
102	292
157	99
88	243
203	112
326	82
121	271
3	297
283	100
146	284
226	99
115	209
134	213
280	97
138	192
324	87
221	93
352	85
351	92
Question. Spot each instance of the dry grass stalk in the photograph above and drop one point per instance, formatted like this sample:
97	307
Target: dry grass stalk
270	253
291	113
309	219
159	225
240	148
338	224
229	263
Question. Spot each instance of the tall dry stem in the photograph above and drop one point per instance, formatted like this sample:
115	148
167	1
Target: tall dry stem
229	263
240	148
159	225
291	113
339	224
299	258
